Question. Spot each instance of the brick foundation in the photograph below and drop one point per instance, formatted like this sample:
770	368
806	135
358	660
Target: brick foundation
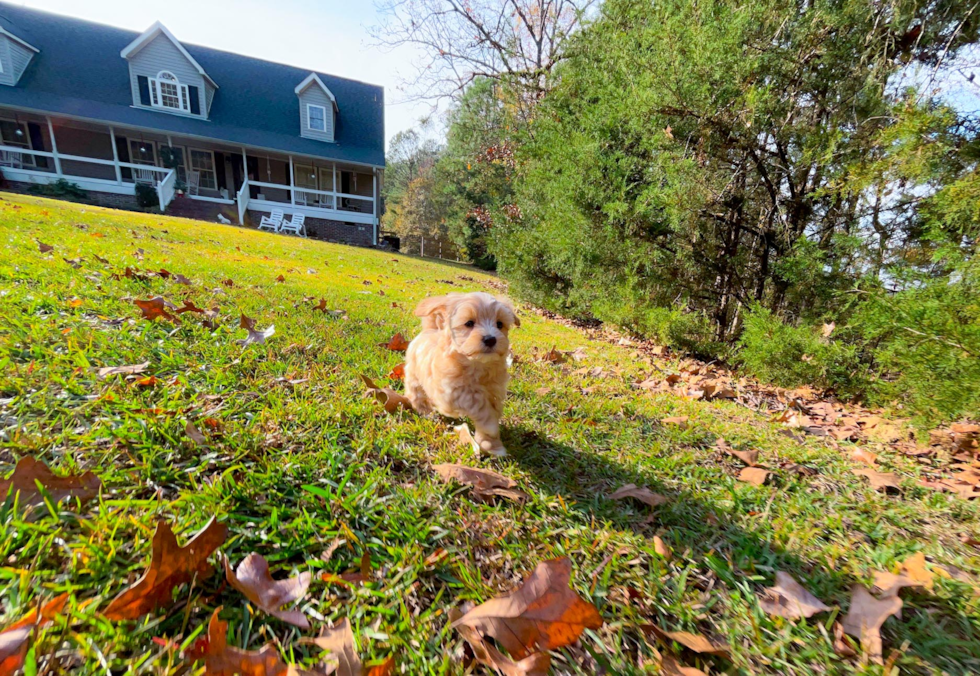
337	231
99	199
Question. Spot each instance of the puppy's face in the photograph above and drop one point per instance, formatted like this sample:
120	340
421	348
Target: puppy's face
477	324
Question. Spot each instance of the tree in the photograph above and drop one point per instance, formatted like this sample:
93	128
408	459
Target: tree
711	155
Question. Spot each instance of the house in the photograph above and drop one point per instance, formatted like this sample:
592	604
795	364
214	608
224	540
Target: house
123	114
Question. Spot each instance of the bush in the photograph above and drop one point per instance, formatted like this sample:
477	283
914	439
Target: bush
146	196
60	189
791	356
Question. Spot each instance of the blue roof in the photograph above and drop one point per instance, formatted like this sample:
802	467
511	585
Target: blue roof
79	72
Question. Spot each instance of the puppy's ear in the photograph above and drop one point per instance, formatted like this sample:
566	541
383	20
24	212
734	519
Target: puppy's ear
509	307
433	311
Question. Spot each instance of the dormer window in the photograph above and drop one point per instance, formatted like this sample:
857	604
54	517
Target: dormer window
316	117
167	92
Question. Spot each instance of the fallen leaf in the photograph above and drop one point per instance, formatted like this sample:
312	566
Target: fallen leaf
543	614
543	391
553	356
170	565
148	381
76	263
695	642
396	344
29	472
644	495
828	329
360	576
15	639
661	547
842	644
229	283
789	599
748	457
466	437
254	581
44	248
879	480
753	475
254	336
156	307
679	420
865	617
912	573
486	484
180	279
397	373
865	456
222	660
578	354
189	306
133	369
536	664
339	640
392	401
280	279
195	435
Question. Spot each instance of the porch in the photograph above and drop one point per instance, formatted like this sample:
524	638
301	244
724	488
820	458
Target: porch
99	158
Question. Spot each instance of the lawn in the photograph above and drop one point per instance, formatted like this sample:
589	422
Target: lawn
296	461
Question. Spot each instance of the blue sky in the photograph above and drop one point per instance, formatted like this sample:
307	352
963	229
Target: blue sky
325	35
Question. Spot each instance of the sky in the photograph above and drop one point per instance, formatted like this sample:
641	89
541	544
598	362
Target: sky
330	36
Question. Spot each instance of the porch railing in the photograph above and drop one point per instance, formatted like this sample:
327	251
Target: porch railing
242	198
167	188
337	201
25	161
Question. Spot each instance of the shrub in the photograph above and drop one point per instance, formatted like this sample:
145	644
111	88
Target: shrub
146	196
60	189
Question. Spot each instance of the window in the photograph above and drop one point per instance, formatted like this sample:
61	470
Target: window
167	92
202	161
16	134
316	117
142	152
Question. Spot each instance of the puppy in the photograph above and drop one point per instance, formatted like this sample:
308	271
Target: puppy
458	364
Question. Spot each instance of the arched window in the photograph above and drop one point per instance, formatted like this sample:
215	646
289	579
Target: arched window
167	92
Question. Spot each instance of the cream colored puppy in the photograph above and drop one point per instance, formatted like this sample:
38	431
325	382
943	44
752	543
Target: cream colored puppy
458	364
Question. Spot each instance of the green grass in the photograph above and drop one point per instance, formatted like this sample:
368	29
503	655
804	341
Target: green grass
294	467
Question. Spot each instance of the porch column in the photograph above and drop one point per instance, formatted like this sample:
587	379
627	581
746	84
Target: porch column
115	155
292	193
54	147
374	204
336	205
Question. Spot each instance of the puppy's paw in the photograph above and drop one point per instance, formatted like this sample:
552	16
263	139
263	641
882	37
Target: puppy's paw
491	446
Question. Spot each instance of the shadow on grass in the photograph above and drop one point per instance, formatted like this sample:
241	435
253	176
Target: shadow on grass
937	633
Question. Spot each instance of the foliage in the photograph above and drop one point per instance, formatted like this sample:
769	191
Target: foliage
60	189
146	196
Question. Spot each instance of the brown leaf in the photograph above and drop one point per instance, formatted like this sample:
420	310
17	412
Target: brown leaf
392	401
553	356
669	666
753	475
879	480
865	617
644	495
195	435
865	456
748	457
397	373
543	614
170	565
661	547
912	573
83	487
254	336
15	639
222	660
156	307
695	642
789	599
253	579
396	344
466	437
486	484
189	306
180	279
536	664
679	420
229	283
842	644
134	369
44	248
339	640
281	279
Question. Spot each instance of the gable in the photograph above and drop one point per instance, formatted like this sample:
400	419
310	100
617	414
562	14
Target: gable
161	55
151	35
15	55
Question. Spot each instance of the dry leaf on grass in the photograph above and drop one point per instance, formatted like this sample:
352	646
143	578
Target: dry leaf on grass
661	547
753	475
553	356
44	248
543	391
864	455
189	306
865	617
222	660
644	495
170	565
879	480
695	642
253	579
466	437
912	573
828	329
391	400
339	640
15	639
486	484
396	344
678	420
195	435
82	487
748	457
536	664
180	279
157	307
543	614
789	599
669	666
397	373
254	336
351	577
133	369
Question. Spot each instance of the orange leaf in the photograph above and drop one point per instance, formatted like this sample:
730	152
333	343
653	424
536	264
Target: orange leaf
222	660
543	614
391	400
695	642
156	307
170	565
397	373
396	344
254	581
15	639
84	487
748	457
753	475
339	640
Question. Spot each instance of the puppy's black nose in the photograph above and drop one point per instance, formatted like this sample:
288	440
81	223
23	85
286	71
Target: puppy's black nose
489	341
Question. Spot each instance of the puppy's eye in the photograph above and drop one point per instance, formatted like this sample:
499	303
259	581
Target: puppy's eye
470	324
500	325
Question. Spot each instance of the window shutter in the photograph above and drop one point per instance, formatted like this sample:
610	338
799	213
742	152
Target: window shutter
195	100
144	84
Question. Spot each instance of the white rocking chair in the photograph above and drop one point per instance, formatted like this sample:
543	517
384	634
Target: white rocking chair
296	226
10	158
273	221
147	176
193	182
